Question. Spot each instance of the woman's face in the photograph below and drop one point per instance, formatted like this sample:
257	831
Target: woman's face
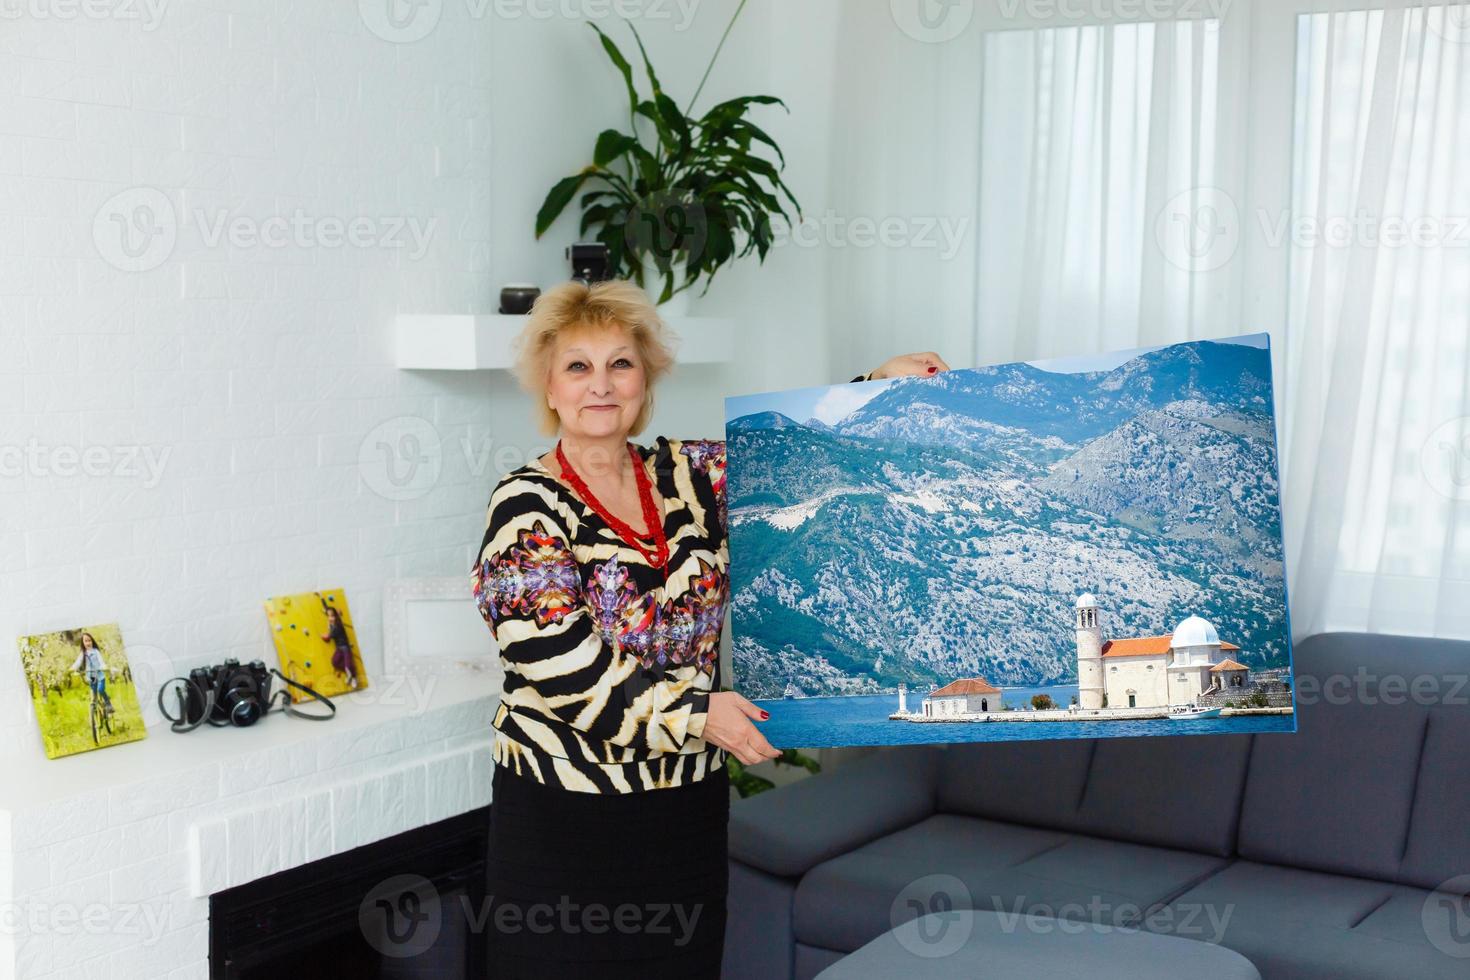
596	383
87	642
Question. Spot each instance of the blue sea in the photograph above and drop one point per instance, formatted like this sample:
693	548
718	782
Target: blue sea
812	723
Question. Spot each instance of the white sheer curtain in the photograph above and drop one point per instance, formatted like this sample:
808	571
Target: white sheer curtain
1137	183
1378	449
1103	222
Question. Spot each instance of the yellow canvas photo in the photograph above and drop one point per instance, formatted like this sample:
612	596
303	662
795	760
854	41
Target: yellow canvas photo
316	643
82	689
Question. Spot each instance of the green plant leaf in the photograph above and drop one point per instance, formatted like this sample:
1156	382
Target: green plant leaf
674	120
650	111
708	170
557	198
626	69
647	65
761	135
611	144
735	107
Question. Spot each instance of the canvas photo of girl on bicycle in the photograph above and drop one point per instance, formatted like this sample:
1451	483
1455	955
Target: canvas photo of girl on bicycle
82	688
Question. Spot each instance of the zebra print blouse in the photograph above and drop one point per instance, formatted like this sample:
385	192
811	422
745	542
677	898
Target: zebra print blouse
608	666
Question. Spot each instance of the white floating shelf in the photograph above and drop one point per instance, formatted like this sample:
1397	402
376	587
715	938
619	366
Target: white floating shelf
482	341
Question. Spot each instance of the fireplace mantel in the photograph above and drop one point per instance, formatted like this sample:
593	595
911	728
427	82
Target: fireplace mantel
114	853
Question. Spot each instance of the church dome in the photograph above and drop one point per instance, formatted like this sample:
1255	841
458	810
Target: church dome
1194	632
1086	600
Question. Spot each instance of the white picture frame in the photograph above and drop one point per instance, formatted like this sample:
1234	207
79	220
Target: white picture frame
432	627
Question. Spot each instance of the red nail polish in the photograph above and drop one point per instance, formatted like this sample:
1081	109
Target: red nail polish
932	369
765	714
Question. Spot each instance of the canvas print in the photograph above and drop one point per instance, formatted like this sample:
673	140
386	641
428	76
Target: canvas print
82	688
1071	548
316	643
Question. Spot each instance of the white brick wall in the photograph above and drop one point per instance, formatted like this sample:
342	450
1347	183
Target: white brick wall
253	373
242	395
115	881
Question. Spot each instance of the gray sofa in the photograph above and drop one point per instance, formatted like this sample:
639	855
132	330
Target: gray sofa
1333	852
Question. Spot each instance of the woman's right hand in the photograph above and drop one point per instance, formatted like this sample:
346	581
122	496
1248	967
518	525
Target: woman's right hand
730	727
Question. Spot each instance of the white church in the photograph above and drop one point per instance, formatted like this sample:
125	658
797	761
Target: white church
1151	671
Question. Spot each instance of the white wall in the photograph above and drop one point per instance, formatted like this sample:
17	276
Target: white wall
260	376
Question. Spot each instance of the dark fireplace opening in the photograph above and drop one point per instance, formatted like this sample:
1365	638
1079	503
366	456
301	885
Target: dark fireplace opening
403	908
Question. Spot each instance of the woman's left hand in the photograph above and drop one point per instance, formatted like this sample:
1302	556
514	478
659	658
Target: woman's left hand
920	364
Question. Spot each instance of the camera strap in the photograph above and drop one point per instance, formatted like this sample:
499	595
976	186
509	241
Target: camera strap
181	722
290	709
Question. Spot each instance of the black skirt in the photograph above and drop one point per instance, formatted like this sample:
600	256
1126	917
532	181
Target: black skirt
607	885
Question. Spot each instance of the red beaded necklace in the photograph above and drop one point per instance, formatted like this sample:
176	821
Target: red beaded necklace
658	555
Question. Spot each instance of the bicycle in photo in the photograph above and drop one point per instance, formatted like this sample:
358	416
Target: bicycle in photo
101	717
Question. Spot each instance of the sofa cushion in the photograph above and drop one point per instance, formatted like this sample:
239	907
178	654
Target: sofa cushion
1336	795
758	938
985	864
1438	848
1307	925
990	944
1180	791
812	960
1037	782
787	831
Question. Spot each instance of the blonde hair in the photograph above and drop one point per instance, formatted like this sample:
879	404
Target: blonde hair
574	306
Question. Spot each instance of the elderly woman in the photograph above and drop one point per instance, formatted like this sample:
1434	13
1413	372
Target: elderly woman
602	573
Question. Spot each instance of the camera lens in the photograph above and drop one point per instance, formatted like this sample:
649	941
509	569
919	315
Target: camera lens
245	712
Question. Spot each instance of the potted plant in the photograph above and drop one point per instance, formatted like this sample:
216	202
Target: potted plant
747	783
696	198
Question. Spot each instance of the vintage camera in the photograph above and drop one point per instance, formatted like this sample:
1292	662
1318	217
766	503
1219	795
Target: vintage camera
230	693
235	694
589	261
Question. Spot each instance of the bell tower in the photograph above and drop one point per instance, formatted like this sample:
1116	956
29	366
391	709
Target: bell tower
1089	654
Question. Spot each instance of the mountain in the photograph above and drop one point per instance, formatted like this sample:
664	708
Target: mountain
1038	413
944	528
761	420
